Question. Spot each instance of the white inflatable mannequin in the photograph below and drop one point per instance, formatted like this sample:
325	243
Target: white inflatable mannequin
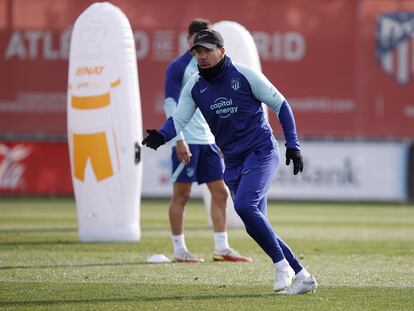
104	125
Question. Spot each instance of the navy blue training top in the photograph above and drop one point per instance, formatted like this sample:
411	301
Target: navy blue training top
231	105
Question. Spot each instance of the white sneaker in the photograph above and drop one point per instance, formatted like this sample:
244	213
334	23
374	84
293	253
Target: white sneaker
301	286
186	256
283	278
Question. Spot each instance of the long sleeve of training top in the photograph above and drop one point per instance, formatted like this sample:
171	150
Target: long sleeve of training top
267	93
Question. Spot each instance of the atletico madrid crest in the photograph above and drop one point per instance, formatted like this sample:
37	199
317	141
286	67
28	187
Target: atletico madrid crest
395	45
235	83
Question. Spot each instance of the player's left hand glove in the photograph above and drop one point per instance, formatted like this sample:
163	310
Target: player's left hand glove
296	157
154	139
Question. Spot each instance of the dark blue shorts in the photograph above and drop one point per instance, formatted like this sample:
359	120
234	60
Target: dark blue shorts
206	164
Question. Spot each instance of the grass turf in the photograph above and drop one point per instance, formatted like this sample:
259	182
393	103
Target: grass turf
361	254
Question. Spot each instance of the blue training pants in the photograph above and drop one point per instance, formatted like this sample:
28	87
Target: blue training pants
249	182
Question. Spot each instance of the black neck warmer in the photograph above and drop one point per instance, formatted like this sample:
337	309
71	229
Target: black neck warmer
212	72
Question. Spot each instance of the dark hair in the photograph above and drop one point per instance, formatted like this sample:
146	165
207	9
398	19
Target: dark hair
197	25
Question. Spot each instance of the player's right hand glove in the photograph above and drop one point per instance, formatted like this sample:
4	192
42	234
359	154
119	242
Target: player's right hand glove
154	139
296	157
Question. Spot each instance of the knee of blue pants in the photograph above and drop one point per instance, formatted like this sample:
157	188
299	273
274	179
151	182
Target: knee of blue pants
243	206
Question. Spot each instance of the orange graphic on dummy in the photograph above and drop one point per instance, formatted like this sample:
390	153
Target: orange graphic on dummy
91	102
97	70
95	101
95	148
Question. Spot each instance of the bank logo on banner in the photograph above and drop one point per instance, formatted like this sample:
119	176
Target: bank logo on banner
395	45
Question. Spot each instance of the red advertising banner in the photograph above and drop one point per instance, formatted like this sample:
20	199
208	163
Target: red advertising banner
33	168
386	66
346	67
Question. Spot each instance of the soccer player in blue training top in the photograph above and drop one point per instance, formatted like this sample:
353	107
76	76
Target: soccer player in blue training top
196	149
230	96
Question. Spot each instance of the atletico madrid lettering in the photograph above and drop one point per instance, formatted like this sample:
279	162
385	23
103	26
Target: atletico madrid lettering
48	45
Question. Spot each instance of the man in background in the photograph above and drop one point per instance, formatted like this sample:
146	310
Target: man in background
195	158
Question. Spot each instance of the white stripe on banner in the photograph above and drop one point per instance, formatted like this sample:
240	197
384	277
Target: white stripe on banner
402	62
350	171
387	63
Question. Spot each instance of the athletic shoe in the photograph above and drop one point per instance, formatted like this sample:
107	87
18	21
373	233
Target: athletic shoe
230	255
301	286
283	278
186	256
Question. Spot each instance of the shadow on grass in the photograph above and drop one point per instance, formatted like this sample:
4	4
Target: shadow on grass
39	243
75	229
39	230
187	228
15	231
136	299
109	264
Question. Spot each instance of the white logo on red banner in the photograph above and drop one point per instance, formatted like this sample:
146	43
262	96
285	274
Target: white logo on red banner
11	168
395	45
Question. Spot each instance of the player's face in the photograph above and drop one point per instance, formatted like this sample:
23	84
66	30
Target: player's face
207	58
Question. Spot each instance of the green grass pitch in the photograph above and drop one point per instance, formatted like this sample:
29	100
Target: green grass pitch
361	254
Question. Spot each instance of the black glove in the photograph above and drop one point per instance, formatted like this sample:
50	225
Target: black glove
154	139
296	157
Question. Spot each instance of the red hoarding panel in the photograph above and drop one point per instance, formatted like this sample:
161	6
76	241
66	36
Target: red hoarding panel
33	168
320	84
387	68
322	55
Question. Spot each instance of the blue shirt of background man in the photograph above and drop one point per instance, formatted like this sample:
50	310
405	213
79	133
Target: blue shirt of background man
178	73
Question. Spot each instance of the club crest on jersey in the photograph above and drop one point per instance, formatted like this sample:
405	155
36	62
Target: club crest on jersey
235	83
190	172
395	45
